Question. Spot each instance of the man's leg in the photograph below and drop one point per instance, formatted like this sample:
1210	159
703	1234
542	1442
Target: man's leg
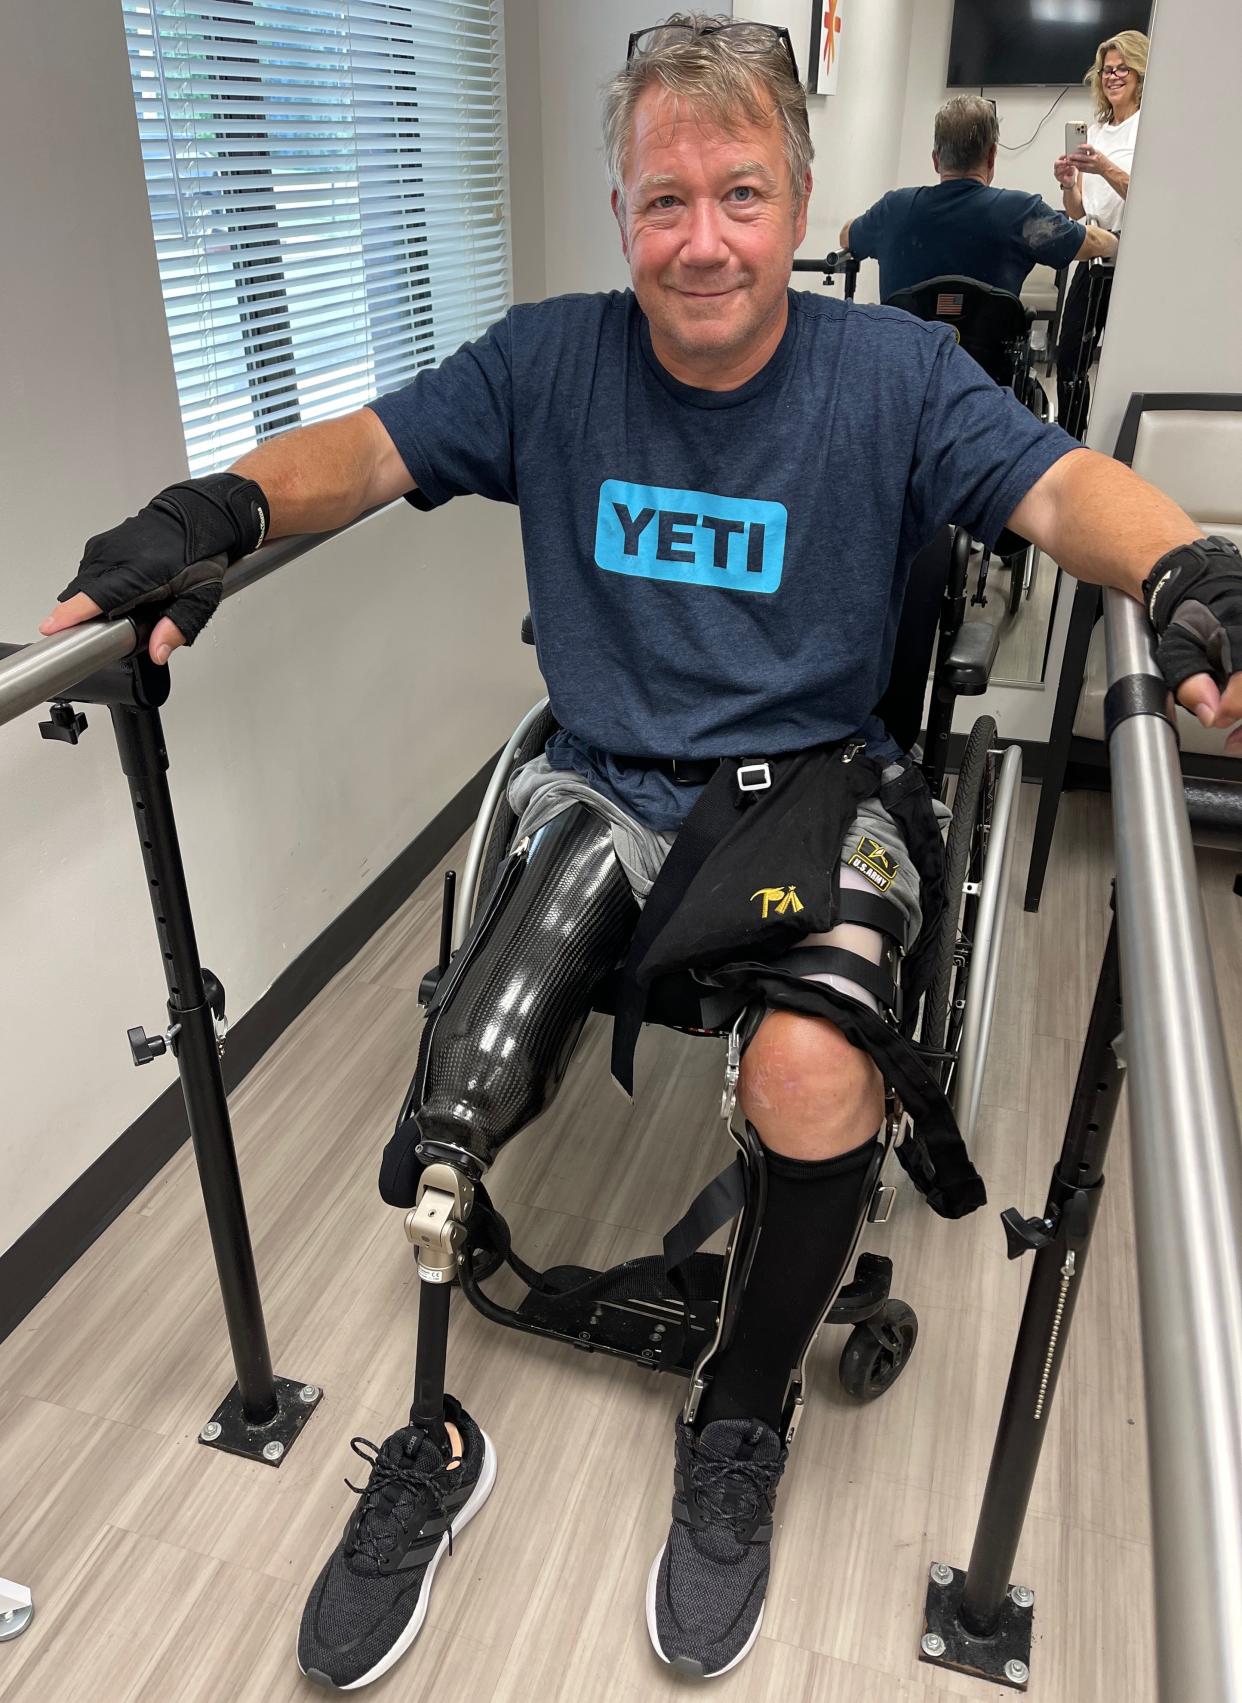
816	1104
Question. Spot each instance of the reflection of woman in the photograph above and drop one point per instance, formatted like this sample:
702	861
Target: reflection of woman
1094	183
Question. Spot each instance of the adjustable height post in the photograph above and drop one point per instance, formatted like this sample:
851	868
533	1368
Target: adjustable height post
262	1415
977	1622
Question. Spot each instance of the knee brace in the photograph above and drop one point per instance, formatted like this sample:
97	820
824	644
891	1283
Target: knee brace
741	1193
505	1017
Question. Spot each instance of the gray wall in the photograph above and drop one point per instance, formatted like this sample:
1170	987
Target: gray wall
326	716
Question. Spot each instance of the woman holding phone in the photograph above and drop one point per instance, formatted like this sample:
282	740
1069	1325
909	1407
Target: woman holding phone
1095	180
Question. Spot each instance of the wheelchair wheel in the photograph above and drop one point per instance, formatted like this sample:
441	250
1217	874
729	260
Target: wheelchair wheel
500	834
877	1351
963	860
1017	570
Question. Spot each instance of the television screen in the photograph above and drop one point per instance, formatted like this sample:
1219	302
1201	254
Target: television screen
1014	42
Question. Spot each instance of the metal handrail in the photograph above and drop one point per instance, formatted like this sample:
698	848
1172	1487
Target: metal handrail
51	668
1187	1165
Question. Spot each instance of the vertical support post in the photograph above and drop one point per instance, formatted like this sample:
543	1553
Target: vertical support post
258	1396
976	1622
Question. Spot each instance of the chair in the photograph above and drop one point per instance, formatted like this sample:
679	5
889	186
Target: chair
994	328
1191	446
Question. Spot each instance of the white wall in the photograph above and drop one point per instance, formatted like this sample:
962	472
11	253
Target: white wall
306	729
581	46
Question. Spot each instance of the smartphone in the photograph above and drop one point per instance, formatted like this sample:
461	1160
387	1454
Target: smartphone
1075	137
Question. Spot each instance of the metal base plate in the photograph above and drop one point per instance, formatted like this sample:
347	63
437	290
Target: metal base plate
228	1428
13	1624
638	1317
1004	1658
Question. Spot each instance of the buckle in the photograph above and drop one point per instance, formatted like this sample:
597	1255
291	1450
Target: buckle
753	777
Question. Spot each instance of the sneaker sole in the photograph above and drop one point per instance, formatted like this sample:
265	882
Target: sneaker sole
469	1508
686	1664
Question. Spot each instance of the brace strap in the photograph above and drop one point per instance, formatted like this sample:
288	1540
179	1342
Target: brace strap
933	1155
870	910
722	1199
851	966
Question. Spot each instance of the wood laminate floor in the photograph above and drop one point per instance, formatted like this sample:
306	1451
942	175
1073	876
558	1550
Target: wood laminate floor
169	1573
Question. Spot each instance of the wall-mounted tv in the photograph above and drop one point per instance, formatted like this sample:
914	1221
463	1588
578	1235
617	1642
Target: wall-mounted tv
1010	43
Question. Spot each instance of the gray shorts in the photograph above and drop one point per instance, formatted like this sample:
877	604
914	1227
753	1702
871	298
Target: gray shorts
538	792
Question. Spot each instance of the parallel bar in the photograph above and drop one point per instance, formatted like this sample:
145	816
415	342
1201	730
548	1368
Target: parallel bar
51	668
1187	1161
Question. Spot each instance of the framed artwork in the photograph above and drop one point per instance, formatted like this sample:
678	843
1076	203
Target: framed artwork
824	60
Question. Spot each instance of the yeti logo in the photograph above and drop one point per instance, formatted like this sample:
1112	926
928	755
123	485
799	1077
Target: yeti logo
690	537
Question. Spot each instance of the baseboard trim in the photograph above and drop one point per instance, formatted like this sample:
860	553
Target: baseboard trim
43	1253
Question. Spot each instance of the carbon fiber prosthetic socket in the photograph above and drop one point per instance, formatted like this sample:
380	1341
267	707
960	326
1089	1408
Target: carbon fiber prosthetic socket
495	1050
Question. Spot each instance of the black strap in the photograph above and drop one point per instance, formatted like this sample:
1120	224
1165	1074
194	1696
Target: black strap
836	961
869	910
705	826
714	1205
934	1154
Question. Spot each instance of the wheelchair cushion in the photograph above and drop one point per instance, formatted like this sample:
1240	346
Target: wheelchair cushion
969	662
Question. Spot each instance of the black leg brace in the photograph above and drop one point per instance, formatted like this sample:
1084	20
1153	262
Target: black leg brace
809	1225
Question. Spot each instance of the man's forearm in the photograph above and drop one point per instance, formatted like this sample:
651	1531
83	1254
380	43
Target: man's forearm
317	478
1101	522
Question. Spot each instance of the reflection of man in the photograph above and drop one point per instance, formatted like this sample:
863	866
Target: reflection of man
722	485
961	226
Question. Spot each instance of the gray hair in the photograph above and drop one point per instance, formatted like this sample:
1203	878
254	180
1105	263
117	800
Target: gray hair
966	131
730	72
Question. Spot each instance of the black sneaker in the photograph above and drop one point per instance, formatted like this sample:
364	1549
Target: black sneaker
370	1601
706	1587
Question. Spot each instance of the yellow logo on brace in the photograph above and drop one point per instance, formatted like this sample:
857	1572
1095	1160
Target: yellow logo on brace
778	900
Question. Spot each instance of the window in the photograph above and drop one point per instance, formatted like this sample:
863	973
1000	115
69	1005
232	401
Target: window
328	194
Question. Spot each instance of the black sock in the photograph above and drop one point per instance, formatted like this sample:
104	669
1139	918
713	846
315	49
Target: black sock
812	1213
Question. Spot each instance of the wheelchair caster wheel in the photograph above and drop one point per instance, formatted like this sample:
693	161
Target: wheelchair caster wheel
876	1351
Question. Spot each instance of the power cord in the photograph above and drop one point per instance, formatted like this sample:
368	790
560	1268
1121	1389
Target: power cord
1017	147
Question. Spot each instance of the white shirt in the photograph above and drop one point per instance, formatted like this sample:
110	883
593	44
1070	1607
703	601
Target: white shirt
1100	200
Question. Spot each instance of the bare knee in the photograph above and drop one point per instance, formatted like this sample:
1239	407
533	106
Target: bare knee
806	1089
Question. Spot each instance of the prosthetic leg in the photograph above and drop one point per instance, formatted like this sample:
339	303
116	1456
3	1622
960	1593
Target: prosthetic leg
501	1027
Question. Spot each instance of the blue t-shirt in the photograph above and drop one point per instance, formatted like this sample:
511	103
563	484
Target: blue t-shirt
966	229
716	573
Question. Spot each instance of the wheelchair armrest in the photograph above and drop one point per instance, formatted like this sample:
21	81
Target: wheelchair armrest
968	665
528	629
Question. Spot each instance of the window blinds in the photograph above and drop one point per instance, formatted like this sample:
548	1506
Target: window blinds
327	184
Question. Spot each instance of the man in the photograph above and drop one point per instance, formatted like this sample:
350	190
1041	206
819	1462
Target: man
722	485
961	226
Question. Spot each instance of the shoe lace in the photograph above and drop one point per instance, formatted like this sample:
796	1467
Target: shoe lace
394	1493
736	1493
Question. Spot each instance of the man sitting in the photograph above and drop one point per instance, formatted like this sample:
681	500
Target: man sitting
961	226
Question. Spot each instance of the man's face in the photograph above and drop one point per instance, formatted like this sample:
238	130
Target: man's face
709	230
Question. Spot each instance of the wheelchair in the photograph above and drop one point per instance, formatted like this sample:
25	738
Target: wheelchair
995	328
668	1312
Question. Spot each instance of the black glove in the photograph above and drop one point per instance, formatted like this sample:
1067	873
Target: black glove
163	554
1194	601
